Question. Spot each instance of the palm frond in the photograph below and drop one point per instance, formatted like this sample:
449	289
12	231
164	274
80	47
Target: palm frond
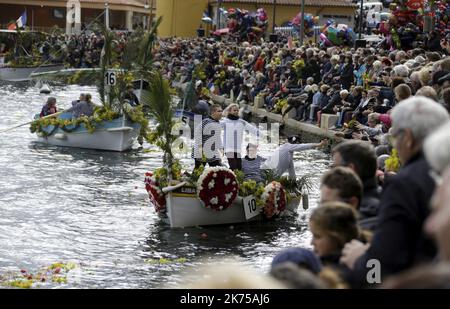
145	56
106	57
159	101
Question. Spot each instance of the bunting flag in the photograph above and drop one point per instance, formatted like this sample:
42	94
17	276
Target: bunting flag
20	22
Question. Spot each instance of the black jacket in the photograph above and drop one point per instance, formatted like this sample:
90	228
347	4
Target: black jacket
399	241
370	205
370	202
347	76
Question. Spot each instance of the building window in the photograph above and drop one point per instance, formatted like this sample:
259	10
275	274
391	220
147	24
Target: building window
58	13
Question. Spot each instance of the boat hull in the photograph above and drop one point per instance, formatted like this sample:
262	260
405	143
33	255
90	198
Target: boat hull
115	135
186	210
23	74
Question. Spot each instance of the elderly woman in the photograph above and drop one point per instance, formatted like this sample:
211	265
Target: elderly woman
399	241
437	153
437	149
429	92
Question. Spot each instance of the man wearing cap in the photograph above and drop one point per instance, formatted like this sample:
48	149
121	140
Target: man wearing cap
283	158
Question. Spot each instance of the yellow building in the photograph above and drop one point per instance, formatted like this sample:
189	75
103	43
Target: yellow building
181	18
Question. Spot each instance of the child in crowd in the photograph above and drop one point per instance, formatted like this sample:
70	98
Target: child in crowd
332	226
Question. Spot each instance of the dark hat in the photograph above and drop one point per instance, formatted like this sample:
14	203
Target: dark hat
438	77
302	257
295	139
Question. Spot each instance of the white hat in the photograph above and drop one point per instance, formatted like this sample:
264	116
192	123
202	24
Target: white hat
198	83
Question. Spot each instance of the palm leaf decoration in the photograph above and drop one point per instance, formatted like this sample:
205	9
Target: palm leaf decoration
144	61
106	60
160	107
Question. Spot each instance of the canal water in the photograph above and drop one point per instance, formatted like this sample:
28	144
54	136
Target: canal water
90	208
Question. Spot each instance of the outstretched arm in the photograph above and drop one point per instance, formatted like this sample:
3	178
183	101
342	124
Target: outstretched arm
301	147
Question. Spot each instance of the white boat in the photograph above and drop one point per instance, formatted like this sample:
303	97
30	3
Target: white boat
19	74
115	135
184	209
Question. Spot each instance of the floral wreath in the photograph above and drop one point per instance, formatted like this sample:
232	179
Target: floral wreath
274	199
217	188
154	193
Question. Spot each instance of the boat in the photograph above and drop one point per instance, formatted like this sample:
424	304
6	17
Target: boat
115	135
19	74
184	209
22	70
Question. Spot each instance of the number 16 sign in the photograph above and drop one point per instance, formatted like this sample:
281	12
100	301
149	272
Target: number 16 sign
110	78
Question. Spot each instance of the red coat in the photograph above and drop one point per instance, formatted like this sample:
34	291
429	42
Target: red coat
259	65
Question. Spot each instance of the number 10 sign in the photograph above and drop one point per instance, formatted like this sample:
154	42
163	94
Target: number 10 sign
250	208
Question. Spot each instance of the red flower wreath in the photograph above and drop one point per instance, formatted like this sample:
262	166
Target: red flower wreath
154	193
217	188
274	198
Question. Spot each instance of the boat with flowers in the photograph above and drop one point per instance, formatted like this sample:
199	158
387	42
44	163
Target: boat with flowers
20	62
109	132
219	197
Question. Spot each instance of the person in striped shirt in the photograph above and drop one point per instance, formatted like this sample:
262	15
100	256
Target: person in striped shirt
208	139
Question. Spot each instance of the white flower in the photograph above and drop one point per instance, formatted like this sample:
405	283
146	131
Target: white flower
226	181
215	175
214	200
211	184
228	196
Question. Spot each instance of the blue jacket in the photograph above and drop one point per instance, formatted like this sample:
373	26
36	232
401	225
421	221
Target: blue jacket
358	74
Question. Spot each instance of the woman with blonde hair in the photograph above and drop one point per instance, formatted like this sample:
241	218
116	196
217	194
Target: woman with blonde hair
234	128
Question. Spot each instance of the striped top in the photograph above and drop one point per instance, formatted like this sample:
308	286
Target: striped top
208	140
252	168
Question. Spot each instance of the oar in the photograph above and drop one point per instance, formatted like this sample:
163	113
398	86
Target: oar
30	122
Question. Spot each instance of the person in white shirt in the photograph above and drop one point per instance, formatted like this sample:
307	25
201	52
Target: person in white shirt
283	158
233	129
